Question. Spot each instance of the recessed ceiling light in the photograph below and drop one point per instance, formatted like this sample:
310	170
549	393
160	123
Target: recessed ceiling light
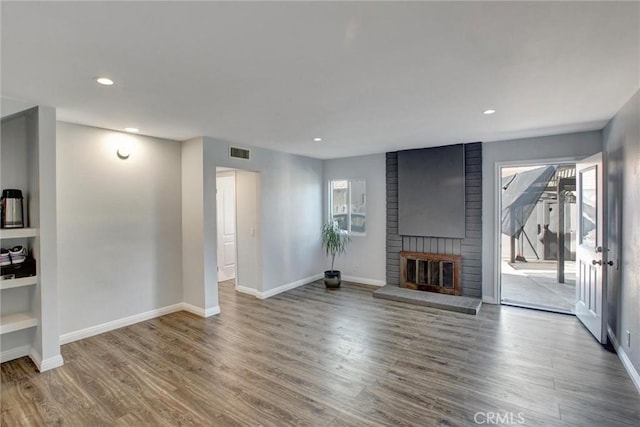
132	130
489	111
104	81
317	139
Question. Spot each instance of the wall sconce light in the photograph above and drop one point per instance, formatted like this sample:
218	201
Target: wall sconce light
123	144
123	152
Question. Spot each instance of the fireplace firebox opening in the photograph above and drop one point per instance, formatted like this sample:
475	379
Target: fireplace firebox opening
430	272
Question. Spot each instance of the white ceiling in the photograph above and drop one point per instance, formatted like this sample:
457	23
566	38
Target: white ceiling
366	77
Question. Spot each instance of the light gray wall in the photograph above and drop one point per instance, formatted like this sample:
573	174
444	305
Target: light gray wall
193	223
364	260
210	238
45	212
119	226
622	156
572	146
248	232
12	106
14	147
291	211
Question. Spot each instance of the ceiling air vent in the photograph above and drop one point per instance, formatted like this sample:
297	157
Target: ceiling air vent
239	153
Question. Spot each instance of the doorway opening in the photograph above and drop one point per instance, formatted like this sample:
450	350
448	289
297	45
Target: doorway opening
538	237
226	226
238	233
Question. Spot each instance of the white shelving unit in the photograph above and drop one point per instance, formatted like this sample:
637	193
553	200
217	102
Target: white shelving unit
17	322
18	283
28	305
18	233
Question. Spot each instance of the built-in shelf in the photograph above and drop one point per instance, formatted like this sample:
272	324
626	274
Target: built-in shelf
18	283
28	157
18	233
17	322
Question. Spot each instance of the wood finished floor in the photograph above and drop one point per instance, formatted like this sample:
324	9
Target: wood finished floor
328	358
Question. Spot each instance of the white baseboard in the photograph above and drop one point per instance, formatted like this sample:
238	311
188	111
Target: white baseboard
46	364
119	323
245	290
15	353
51	363
364	281
136	318
212	311
201	311
27	350
288	286
626	362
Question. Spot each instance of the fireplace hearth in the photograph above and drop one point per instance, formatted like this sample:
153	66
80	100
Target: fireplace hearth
430	272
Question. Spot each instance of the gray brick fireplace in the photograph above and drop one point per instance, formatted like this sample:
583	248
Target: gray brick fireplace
469	247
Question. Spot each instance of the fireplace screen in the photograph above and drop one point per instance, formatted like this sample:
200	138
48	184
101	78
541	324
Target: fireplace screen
430	272
411	270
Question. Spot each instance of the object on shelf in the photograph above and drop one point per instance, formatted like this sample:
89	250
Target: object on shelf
16	271
17	254
5	258
12	215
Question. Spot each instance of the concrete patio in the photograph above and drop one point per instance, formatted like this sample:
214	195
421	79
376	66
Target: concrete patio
534	284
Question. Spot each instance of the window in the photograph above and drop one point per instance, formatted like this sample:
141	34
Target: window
348	204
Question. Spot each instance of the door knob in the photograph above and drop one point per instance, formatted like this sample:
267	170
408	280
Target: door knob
596	261
610	263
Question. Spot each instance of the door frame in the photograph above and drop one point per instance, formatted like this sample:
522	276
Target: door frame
257	236
497	187
223	172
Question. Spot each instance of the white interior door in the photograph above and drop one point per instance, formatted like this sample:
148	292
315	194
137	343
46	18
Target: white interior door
226	225
590	253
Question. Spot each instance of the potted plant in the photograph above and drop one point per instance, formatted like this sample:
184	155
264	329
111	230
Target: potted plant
334	241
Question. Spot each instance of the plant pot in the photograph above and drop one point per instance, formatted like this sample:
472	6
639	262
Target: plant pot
332	279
